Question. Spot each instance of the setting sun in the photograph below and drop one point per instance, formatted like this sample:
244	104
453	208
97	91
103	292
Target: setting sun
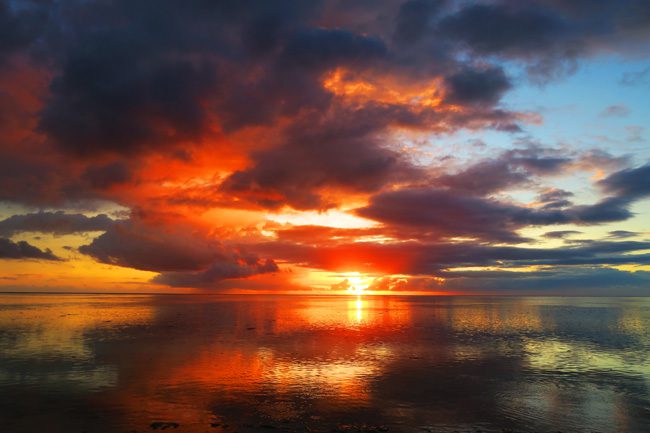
357	283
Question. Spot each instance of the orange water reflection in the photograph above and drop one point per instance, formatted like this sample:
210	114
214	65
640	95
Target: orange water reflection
302	361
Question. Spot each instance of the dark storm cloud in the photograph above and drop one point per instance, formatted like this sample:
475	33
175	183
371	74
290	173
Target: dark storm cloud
185	257
19	26
23	250
147	247
343	148
157	78
458	204
106	175
58	223
133	77
125	83
321	48
51	180
548	35
477	86
111	98
237	267
513	168
138	86
497	28
148	77
29	181
290	79
341	152
446	213
414	20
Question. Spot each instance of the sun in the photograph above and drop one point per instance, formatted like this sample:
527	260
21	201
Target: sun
357	283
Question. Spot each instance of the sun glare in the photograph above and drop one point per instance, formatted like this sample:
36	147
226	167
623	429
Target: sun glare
357	283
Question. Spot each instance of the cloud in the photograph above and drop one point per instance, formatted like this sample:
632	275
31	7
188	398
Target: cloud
59	223
549	36
237	267
325	48
414	20
396	284
321	152
629	184
523	167
341	285
635	133
622	234
436	258
104	176
148	247
561	234
636	78
526	32
19	27
111	97
555	198
251	106
553	281
521	30
22	250
444	213
477	86
183	256
618	110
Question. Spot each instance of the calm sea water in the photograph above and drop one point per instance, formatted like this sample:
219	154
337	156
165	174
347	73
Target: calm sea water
123	363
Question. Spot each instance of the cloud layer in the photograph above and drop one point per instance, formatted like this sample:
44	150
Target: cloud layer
208	120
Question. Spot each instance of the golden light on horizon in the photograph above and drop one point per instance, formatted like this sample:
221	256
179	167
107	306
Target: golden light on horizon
357	283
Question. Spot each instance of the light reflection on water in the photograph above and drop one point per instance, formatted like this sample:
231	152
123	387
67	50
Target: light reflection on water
119	362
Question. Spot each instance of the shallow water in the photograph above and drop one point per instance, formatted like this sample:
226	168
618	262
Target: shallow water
118	363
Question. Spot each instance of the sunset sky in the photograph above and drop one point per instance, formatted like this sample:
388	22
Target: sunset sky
331	146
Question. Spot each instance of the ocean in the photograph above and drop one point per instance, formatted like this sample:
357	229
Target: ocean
288	363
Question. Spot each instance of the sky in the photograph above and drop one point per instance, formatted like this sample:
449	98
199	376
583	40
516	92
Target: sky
330	146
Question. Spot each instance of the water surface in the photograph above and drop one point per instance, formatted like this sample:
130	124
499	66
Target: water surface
122	363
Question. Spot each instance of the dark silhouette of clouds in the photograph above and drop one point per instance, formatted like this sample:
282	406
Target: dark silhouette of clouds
436	258
183	256
477	86
238	267
54	222
22	250
414	20
561	234
629	183
622	234
342	152
128	82
446	213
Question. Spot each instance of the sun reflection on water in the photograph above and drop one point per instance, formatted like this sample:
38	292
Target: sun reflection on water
291	358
